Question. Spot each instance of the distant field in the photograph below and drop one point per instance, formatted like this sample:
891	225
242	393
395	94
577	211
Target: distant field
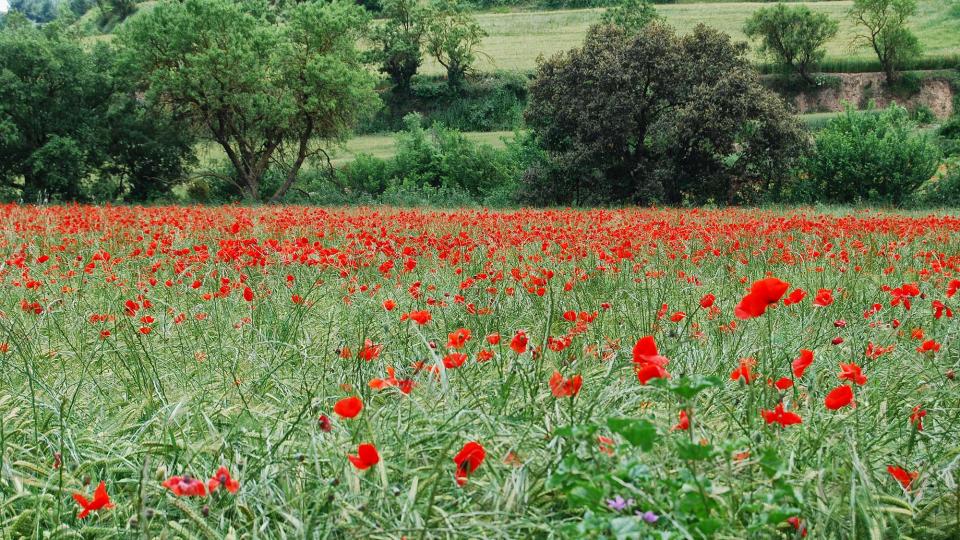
381	146
517	39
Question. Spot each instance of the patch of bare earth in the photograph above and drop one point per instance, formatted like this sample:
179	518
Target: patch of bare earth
860	89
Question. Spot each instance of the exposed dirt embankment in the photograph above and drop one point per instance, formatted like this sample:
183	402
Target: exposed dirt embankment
859	89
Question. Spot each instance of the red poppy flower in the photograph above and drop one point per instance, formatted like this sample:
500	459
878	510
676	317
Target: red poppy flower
365	458
458	338
744	371
916	417
248	294
823	298
405	385
454	360
645	352
684	423
519	342
389	304
839	397
929	346
348	407
783	383
185	486
851	372
795	297
222	478
101	501
565	387
780	416
802	362
900	475
798	525
419	317
763	294
707	301
493	338
467	460
370	350
646	372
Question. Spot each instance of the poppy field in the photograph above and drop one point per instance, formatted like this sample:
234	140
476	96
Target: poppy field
296	372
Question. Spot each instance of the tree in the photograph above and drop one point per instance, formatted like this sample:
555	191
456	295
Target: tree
452	37
60	108
39	11
398	41
878	157
884	24
792	36
653	116
632	15
270	94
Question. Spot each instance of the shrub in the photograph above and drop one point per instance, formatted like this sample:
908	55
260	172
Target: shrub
941	190
877	158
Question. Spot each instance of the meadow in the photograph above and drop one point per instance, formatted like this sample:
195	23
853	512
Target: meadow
278	372
516	39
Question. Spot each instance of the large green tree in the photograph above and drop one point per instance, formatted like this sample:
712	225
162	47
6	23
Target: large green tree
398	41
653	116
271	88
71	130
883	26
792	36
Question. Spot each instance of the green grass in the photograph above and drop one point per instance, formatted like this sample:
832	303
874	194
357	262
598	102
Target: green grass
516	39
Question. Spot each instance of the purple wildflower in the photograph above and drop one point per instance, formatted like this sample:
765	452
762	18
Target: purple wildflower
618	503
648	516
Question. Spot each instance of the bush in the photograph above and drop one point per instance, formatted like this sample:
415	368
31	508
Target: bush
877	158
922	115
941	190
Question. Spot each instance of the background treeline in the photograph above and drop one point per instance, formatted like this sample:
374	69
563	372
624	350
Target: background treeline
639	114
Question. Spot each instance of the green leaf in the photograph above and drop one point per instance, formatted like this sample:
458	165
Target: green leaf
694	452
689	387
636	431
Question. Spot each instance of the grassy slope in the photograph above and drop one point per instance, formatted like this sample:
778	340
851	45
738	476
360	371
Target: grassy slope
516	39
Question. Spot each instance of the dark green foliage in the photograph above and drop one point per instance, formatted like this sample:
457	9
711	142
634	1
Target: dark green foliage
792	37
943	190
39	11
632	15
951	128
398	41
882	25
877	158
71	130
270	95
79	7
452	37
657	117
